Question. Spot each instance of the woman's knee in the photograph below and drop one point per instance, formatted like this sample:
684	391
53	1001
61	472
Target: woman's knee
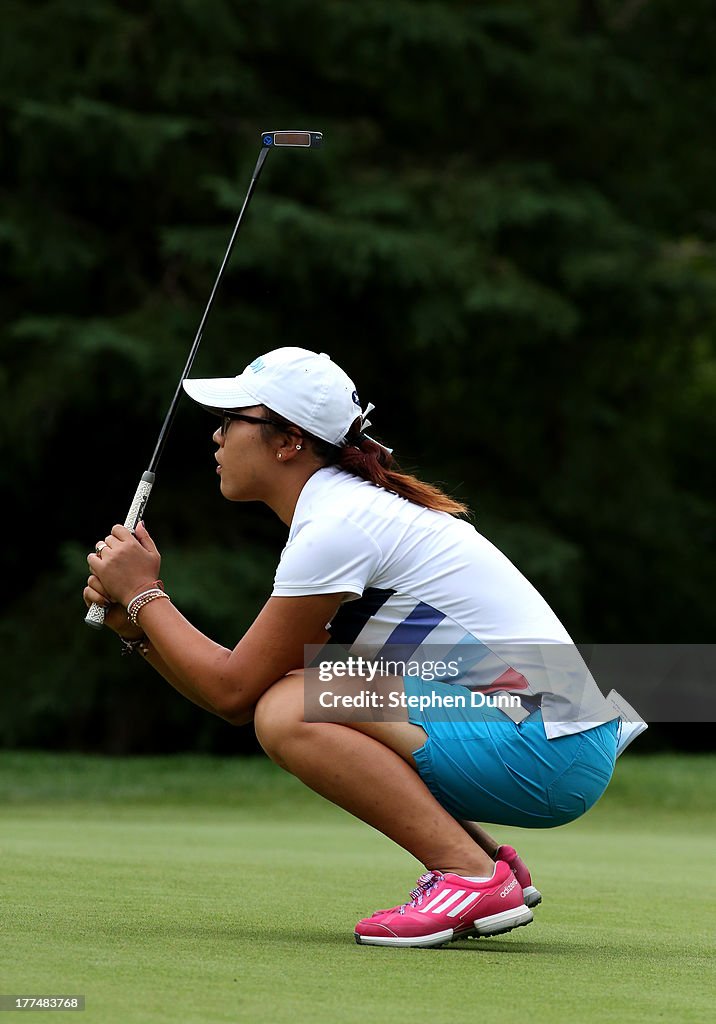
278	716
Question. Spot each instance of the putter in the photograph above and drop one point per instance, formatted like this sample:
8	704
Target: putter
269	140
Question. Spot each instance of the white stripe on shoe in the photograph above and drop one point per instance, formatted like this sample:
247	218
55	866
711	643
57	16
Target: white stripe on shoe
439	907
465	903
436	899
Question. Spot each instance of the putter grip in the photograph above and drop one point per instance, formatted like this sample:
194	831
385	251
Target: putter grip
95	615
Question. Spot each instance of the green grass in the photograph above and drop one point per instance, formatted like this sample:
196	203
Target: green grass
199	890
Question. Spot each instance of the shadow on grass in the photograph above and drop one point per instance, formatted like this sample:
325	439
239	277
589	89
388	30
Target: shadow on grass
239	933
277	936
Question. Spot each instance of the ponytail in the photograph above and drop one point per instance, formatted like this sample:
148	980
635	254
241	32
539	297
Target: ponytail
365	458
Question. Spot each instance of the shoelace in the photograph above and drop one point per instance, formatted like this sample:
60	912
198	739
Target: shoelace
426	882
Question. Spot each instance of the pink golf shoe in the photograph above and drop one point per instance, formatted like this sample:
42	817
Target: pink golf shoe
446	907
532	896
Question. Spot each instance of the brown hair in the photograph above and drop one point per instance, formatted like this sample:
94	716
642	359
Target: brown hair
363	457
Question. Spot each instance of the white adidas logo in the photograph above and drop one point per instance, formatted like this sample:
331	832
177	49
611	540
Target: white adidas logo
446	898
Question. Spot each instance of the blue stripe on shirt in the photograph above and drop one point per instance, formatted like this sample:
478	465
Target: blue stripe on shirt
411	632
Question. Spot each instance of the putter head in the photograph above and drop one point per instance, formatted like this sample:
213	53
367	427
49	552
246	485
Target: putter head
293	138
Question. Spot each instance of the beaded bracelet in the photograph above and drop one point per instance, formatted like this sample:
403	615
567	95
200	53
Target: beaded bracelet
130	646
140	600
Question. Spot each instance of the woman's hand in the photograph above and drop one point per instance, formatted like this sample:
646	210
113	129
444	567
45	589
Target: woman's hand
125	565
115	615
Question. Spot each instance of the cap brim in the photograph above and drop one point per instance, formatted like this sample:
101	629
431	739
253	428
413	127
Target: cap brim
218	393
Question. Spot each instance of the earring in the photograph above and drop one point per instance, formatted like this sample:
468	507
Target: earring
279	455
298	447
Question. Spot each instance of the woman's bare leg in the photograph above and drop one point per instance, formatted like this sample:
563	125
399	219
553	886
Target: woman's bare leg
484	840
404	738
367	778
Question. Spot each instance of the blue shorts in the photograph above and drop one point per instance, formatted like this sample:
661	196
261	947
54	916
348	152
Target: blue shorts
481	766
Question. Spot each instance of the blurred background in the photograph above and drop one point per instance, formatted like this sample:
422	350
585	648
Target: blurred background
508	240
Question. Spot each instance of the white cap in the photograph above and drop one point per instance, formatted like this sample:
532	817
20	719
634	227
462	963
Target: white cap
304	387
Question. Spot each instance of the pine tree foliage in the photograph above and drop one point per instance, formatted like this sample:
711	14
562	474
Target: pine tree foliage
508	239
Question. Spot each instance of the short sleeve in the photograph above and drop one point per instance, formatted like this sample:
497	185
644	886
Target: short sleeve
327	556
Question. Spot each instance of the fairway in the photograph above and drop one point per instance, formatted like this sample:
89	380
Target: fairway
200	890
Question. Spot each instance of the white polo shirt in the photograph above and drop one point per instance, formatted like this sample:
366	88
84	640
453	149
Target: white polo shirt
418	580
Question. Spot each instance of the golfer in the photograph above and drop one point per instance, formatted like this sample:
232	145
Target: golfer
377	560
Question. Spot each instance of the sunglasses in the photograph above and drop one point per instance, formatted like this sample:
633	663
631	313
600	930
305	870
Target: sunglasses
227	417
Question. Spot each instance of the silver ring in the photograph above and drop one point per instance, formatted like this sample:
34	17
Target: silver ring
99	547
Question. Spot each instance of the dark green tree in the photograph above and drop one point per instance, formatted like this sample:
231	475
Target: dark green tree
508	240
